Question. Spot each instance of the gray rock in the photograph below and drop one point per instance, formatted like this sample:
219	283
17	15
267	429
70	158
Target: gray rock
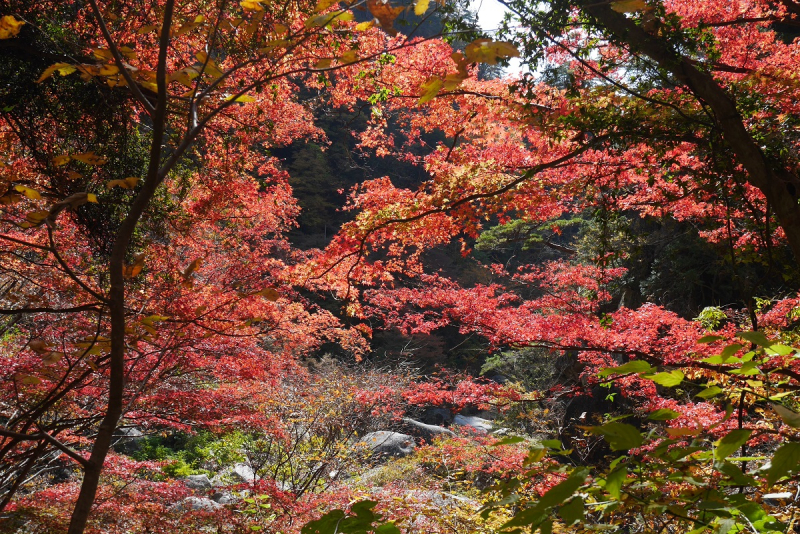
426	432
244	473
388	443
478	424
128	440
224	497
442	500
196	503
198	482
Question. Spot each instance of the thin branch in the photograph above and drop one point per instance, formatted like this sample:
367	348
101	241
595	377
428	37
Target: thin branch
132	85
44	436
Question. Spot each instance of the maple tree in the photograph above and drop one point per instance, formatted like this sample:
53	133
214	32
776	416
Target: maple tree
670	110
150	280
178	270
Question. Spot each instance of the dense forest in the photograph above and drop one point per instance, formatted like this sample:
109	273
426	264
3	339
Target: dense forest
321	267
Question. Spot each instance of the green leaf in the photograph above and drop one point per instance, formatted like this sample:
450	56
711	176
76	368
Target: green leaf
552	444
664	414
731	443
614	482
633	366
755	337
730	350
787	416
620	436
325	524
572	512
785	460
709	392
388	528
735	473
510	440
710	339
554	496
779	350
667	379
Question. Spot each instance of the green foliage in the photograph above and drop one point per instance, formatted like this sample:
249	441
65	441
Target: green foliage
360	520
683	475
189	454
711	317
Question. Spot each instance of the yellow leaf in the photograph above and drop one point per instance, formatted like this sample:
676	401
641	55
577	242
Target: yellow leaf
322	5
127	183
270	46
241	98
363	26
251	5
28	192
421	7
351	56
150	319
108	70
429	89
681	432
146	29
62	68
127	52
89	158
489	51
38	346
317	21
323	64
280	28
29	380
130	271
270	294
385	13
73	201
52	357
9	27
61	160
102	53
199	19
192	267
628	6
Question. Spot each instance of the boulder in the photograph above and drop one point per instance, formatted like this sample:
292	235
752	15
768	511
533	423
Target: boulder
196	503
442	500
128	440
477	424
424	431
244	474
224	497
386	443
198	482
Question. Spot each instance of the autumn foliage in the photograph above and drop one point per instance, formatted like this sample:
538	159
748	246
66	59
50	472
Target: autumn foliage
150	281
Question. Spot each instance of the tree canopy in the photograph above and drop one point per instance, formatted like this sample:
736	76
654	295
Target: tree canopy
611	235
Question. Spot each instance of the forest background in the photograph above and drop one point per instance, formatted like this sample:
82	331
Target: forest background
318	267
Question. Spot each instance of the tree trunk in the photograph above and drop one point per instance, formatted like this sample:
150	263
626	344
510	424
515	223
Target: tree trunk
780	187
